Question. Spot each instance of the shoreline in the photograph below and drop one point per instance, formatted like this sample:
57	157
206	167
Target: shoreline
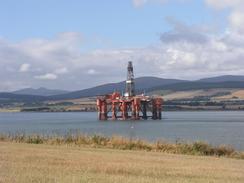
197	148
77	111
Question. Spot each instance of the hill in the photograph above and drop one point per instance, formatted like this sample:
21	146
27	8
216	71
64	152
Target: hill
195	85
148	84
223	78
39	91
10	97
142	84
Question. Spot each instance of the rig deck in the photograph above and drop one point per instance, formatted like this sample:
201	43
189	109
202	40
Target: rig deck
116	107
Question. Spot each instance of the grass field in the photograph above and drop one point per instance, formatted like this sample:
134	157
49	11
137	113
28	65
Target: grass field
21	162
10	110
236	93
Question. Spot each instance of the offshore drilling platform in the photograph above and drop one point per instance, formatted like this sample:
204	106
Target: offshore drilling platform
129	106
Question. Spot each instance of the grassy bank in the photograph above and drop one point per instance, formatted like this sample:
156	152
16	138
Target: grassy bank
96	141
9	109
24	163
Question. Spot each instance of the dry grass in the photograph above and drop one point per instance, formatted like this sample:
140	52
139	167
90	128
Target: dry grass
182	94
81	101
196	93
9	109
23	163
236	93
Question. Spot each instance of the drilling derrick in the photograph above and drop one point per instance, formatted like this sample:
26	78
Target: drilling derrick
130	84
130	106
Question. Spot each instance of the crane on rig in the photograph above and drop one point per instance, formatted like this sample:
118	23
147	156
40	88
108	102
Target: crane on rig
130	83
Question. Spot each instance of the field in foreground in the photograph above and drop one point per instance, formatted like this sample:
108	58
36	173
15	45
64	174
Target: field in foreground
20	162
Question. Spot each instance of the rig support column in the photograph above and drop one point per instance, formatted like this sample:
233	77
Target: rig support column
136	108
99	108
114	111
124	110
154	109
103	110
144	109
159	107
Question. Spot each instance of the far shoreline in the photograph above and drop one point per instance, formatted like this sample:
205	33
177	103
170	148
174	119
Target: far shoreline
77	111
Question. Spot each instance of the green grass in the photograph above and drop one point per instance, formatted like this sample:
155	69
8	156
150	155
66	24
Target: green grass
97	141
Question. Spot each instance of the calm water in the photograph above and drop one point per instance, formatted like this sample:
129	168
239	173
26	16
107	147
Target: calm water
213	127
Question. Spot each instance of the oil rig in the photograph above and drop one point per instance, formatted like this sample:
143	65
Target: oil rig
129	106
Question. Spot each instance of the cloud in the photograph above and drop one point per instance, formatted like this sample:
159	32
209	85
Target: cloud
222	4
11	85
236	17
140	3
186	52
62	70
237	20
92	71
236	7
193	51
48	76
182	32
24	68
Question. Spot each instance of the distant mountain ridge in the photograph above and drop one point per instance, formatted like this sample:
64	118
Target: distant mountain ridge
10	97
40	91
223	78
142	84
147	84
196	85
